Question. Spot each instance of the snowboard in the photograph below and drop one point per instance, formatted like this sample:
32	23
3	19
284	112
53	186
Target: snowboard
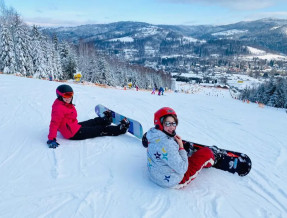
230	161
135	127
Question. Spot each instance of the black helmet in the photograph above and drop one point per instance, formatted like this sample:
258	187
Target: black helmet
64	91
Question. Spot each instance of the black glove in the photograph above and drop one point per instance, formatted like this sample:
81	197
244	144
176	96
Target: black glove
144	141
53	143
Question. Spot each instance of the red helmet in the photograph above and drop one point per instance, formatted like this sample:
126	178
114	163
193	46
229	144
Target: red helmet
160	114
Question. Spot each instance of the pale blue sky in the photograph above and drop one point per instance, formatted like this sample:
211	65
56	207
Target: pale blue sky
174	12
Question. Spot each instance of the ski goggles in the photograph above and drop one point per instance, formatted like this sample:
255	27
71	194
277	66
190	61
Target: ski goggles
68	94
168	124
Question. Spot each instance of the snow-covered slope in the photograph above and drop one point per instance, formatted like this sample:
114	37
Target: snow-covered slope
263	55
107	177
256	51
229	32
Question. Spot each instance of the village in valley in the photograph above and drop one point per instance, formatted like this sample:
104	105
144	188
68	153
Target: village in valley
236	73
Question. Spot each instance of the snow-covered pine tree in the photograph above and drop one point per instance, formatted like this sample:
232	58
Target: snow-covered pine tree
58	73
68	60
92	71
48	54
57	67
122	77
7	56
157	81
119	72
86	57
259	93
23	50
105	76
56	63
38	54
269	90
278	98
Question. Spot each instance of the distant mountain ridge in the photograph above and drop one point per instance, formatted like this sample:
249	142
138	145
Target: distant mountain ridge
145	43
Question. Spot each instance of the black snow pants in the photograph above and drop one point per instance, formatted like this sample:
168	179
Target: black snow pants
96	127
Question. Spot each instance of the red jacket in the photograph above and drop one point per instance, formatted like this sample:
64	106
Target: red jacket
64	119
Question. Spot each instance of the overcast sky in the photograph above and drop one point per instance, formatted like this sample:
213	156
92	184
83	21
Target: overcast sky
174	12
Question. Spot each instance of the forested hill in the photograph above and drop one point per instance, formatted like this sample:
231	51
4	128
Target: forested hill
270	34
175	48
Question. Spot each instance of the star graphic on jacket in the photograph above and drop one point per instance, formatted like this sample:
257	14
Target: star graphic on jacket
157	155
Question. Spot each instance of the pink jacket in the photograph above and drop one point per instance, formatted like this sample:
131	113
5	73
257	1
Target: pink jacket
64	119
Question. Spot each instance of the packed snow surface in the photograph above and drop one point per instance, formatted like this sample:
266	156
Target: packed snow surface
107	176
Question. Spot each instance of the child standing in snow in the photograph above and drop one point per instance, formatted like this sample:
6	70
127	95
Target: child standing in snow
64	119
168	163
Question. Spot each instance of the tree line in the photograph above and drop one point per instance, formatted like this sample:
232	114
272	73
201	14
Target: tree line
272	93
25	50
98	67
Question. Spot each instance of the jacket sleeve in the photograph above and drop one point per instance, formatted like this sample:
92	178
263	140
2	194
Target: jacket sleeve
56	119
176	159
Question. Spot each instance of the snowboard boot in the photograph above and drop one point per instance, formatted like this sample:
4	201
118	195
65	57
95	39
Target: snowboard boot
124	125
217	154
108	118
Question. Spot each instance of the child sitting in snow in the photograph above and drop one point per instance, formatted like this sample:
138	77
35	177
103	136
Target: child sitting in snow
64	119
167	160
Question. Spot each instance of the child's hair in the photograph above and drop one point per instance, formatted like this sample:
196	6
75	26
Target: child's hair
170	115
